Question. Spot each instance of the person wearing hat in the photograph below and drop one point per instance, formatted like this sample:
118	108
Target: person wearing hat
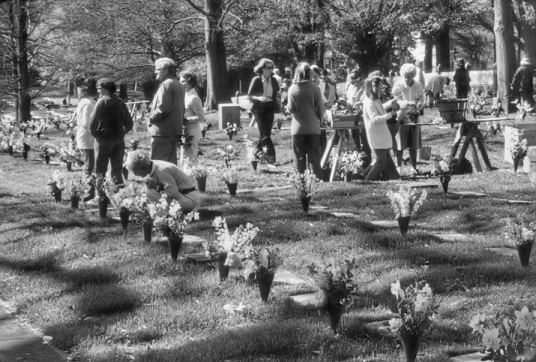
522	82
262	93
462	80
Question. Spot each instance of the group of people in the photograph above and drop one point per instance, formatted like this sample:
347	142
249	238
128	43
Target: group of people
175	111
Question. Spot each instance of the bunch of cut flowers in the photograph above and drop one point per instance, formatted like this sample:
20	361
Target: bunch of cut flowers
229	175
251	150
264	157
523	109
232	129
336	283
169	217
56	183
518	231
261	261
442	169
48	150
230	247
75	186
228	154
416	306
477	103
205	126
304	183
406	201
134	143
139	210
518	148
123	199
496	107
509	336
69	154
199	171
352	161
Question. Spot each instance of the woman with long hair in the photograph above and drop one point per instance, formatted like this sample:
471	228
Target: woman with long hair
378	133
263	94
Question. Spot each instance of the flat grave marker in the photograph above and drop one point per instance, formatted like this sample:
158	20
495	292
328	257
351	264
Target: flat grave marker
286	277
304	301
467	194
198	257
471	357
451	237
415	185
504	251
345	214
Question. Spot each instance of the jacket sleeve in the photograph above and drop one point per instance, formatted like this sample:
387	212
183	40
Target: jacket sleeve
374	116
319	104
252	92
290	103
197	107
127	118
162	104
95	118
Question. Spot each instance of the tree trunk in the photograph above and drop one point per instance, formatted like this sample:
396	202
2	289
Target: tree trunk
528	28
442	45
428	48
217	78
505	50
23	91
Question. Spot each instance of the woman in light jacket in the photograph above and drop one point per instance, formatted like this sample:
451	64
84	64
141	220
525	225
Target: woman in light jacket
378	133
84	140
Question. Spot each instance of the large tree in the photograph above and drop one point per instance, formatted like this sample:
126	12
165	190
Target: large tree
505	50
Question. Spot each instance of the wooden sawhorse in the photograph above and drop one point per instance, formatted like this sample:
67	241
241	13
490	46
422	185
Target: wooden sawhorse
470	131
341	132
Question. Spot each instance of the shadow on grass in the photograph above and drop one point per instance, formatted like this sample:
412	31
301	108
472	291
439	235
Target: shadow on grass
46	263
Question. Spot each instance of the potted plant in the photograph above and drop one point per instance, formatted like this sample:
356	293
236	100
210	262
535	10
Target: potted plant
521	235
444	171
509	336
225	252
230	177
351	162
134	143
279	119
228	154
56	185
205	126
264	157
232	130
262	264
405	203
122	201
69	155
518	148
200	172
416	305
102	197
47	150
496	107
304	183
75	188
337	288
139	213
251	152
171	221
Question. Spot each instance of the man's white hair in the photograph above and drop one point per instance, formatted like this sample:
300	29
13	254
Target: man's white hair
408	70
165	63
136	160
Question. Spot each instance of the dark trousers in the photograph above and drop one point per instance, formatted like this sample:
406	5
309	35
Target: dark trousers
112	151
527	96
361	142
265	122
89	165
164	148
307	147
384	167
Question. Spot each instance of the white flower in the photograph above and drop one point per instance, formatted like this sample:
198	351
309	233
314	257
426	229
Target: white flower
230	147
490	339
477	323
233	260
527	234
426	290
422	303
397	290
395	324
524	318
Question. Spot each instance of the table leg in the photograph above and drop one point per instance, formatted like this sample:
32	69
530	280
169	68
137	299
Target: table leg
336	159
474	152
483	152
463	151
329	146
252	122
456	144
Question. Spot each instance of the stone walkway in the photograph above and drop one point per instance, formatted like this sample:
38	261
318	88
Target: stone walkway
20	343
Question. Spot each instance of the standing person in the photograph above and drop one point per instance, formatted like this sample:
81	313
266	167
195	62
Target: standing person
354	95
278	77
263	94
307	109
419	77
522	82
462	80
167	112
84	140
194	114
410	93
109	123
317	80
434	88
378	132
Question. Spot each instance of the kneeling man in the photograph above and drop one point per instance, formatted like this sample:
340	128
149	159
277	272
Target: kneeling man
164	176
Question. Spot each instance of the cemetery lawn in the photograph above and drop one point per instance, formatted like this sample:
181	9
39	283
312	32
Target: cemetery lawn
106	297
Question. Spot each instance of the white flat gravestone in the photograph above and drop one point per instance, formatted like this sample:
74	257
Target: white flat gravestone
286	277
468	194
504	251
451	237
228	113
304	301
345	214
471	357
198	257
192	240
423	185
381	327
389	224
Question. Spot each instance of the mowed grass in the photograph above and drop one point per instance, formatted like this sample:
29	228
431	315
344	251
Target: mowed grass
109	297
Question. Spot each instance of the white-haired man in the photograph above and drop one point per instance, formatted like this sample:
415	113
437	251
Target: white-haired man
167	112
164	177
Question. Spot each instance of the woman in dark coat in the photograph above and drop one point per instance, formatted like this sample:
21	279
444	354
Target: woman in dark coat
262	93
522	82
462	80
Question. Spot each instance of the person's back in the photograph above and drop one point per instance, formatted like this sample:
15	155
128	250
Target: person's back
305	104
167	109
111	117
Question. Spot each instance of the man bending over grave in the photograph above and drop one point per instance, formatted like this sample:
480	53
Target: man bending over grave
164	177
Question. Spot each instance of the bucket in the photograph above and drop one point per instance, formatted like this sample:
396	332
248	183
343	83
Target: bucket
423	154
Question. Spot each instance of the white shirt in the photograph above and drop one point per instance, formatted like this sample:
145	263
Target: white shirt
84	139
193	107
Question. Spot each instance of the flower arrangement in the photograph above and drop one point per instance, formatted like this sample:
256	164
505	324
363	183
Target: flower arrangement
56	183
123	199
304	183
518	148
48	149
523	109
446	93
228	175
232	129
199	171
251	150
477	104
336	283
416	306
442	169
261	261
518	232
438	121
69	154
413	115
139	210
279	119
264	157
75	186
229	246
102	184
134	143
71	130
23	127
205	126
352	161
168	216
228	154
406	201
496	107
510	336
